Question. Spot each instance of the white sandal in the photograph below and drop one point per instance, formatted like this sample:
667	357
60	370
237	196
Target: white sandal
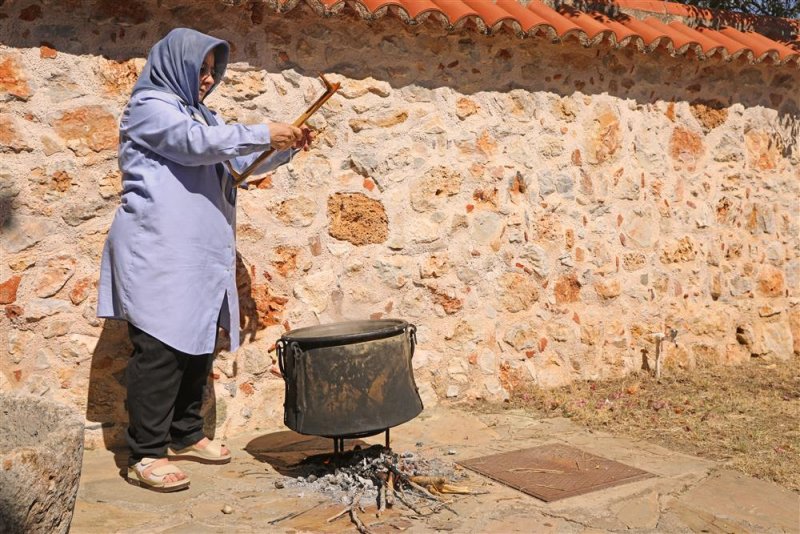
210	454
154	480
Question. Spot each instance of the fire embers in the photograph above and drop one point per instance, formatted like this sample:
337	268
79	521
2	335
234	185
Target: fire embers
378	478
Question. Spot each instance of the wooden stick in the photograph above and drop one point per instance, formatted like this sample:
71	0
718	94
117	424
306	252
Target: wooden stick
390	492
422	490
428	481
293	514
330	89
337	516
436	507
402	477
354	515
381	499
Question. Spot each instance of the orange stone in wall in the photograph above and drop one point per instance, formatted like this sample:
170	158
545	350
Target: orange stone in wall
686	147
567	289
47	52
10	138
770	281
605	139
88	129
8	290
762	152
12	80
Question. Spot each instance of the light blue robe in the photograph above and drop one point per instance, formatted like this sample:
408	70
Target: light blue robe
169	262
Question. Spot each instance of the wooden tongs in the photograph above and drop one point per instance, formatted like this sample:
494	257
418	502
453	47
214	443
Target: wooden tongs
330	89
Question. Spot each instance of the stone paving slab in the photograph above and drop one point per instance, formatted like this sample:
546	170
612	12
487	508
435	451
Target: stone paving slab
688	494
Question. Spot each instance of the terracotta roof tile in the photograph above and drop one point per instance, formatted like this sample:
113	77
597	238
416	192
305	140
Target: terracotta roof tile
649	35
594	29
490	13
708	44
562	26
622	33
733	47
761	49
527	21
670	29
456	10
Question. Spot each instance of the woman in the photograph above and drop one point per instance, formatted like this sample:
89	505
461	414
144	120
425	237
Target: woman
169	262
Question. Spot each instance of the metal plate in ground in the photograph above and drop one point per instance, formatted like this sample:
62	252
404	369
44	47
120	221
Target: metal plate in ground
553	472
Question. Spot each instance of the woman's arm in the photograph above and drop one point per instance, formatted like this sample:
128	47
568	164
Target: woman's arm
155	121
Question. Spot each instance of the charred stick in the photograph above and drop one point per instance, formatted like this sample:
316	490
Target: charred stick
390	492
381	499
293	514
354	515
359	525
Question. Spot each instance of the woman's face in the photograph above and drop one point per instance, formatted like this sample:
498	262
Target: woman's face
207	74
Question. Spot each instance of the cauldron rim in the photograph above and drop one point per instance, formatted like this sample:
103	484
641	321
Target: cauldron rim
344	332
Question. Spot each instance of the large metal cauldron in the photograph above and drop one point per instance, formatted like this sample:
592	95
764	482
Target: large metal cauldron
348	380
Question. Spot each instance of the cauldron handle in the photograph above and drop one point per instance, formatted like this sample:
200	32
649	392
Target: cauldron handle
412	332
280	348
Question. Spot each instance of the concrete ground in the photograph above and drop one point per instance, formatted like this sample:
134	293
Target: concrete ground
688	494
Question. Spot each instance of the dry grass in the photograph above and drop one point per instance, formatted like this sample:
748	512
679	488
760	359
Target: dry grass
747	417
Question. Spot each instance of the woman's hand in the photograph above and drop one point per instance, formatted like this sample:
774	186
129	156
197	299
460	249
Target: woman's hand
283	136
307	139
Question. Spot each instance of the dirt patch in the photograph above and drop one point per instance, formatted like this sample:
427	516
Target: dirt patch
744	416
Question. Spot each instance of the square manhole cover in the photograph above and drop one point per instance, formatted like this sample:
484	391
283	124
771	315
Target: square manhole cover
553	472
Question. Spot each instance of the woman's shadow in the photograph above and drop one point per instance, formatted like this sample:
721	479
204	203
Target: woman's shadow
105	406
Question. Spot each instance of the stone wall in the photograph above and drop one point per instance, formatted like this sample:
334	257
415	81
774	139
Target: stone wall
538	210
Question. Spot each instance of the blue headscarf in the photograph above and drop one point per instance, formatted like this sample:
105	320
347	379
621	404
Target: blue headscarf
173	66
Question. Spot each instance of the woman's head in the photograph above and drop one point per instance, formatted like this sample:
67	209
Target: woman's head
186	63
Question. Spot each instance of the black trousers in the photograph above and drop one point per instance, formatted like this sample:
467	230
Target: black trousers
165	394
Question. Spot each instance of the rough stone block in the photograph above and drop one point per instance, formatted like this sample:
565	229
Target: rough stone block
41	452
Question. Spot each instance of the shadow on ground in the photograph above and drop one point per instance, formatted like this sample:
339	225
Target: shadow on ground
292	454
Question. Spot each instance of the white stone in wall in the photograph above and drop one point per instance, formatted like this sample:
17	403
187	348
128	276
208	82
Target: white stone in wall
487	362
37	309
256	359
394	271
522	336
314	289
428	395
425	230
421	359
26	232
339	249
495	389
82	346
44	357
18	343
486	228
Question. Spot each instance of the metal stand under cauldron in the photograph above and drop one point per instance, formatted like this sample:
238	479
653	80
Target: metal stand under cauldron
349	380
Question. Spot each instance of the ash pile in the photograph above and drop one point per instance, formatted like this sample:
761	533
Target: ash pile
377	476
